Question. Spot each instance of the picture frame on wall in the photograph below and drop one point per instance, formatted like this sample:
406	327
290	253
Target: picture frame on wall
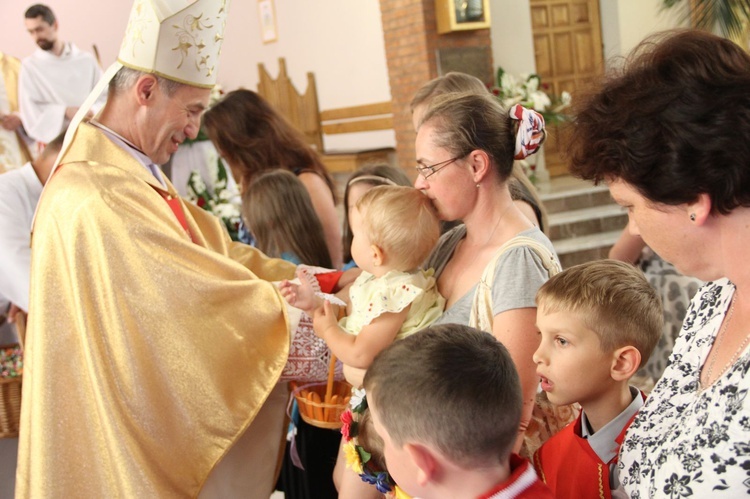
462	15
267	16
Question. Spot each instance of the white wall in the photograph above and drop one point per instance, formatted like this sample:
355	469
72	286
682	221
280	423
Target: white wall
340	41
625	23
512	41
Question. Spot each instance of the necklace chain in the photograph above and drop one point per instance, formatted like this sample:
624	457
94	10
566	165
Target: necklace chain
498	223
706	380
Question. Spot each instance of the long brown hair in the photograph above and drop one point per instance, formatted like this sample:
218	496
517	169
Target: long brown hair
278	211
254	136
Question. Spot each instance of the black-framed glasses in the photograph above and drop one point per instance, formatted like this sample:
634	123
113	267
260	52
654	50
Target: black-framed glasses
429	171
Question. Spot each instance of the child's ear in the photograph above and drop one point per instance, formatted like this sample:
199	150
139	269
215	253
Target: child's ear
625	363
424	460
378	257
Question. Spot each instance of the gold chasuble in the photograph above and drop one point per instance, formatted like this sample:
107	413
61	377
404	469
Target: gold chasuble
147	355
13	149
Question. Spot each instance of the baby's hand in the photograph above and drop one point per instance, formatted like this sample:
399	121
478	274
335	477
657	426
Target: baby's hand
289	291
301	295
324	318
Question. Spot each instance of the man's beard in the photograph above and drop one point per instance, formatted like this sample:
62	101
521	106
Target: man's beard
45	45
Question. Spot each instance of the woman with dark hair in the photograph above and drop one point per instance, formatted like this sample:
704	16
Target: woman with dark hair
669	134
252	137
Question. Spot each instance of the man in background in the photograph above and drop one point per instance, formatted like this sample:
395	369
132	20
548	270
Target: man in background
54	80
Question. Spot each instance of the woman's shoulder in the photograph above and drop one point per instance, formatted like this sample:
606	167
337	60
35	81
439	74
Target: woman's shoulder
530	243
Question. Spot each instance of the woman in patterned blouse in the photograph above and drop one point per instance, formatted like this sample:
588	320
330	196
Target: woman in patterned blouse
669	134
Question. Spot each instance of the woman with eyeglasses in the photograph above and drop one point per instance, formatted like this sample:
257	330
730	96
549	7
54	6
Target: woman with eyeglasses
490	267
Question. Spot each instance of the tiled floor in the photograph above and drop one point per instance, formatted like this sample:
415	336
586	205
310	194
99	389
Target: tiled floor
8	451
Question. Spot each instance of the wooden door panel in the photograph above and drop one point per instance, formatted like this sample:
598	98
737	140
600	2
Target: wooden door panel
560	16
584	53
563	62
542	54
581	13
568	53
539	17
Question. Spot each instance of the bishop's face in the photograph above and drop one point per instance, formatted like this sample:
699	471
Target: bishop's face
171	119
44	34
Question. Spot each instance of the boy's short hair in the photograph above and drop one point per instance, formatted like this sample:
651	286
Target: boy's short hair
613	299
452	387
402	221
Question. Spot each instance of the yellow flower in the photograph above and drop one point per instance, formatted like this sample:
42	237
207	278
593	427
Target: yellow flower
352	458
400	494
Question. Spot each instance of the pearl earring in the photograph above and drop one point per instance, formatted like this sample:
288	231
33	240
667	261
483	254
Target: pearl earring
477	186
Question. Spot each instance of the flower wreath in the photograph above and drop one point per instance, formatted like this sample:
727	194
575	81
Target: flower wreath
357	458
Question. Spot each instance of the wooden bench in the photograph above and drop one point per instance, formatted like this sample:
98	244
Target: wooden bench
302	110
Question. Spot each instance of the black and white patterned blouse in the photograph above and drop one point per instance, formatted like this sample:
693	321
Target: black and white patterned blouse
688	442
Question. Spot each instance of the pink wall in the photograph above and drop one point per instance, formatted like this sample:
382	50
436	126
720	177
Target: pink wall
340	41
84	22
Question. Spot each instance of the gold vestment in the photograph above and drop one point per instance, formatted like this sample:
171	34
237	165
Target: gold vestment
147	355
10	67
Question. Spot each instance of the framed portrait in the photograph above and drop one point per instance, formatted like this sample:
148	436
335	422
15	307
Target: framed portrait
267	16
461	15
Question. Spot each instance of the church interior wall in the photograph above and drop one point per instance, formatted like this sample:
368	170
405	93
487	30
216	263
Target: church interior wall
340	41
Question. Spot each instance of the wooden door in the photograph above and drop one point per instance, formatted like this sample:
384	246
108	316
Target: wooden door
568	53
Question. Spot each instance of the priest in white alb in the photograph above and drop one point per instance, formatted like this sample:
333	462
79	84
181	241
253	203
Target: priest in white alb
55	79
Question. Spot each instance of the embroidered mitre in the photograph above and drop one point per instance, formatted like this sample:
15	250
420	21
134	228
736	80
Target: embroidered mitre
177	39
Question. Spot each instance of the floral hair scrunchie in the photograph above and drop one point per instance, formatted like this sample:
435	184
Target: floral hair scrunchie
531	132
357	458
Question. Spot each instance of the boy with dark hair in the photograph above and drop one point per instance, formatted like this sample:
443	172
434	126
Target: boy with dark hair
447	404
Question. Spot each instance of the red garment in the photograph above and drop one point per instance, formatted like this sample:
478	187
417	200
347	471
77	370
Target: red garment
329	280
570	467
522	483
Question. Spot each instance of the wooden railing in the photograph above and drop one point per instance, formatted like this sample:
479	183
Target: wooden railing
302	110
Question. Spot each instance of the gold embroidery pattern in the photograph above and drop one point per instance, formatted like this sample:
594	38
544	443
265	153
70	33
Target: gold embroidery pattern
189	36
601	482
538	464
137	25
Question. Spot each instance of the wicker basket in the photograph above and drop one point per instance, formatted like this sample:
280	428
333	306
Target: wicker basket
10	403
10	406
321	404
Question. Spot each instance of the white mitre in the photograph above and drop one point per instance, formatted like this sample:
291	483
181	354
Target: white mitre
177	39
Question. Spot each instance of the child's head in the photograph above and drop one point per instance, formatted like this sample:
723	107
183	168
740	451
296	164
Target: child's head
446	396
362	181
279	213
399	226
599	322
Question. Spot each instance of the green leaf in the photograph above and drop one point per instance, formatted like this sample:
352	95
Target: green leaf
499	76
364	456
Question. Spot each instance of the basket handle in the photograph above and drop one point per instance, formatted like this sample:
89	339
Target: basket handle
329	384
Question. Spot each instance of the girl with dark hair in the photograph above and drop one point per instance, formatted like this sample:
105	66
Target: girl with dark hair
278	211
